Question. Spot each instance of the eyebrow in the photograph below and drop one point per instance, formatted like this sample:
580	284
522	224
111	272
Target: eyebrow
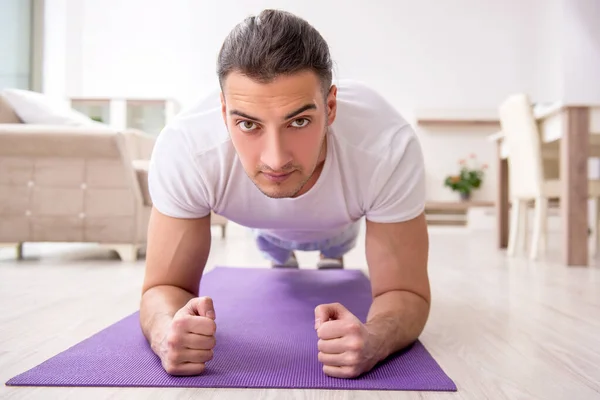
305	107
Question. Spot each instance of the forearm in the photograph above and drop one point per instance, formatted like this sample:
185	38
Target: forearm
158	306
396	319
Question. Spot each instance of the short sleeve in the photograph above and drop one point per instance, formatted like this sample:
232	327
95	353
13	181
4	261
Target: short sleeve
398	191
174	180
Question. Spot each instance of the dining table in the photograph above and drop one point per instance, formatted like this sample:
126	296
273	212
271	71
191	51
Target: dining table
572	132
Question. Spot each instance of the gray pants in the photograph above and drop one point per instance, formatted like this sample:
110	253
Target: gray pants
279	251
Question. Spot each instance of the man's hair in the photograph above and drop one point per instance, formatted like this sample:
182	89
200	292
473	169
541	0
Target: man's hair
274	43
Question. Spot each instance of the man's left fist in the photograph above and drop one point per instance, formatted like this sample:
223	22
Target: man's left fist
346	347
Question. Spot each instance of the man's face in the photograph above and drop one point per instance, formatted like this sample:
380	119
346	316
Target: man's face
278	129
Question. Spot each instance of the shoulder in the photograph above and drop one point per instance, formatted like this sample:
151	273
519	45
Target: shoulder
198	129
360	93
368	123
188	158
379	153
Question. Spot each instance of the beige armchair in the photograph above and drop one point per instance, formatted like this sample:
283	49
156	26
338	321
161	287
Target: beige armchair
74	184
70	184
63	183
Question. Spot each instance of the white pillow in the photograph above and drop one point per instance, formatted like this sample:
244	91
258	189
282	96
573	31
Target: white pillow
37	108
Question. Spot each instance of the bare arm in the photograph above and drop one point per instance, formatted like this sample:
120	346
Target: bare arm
175	260
397	256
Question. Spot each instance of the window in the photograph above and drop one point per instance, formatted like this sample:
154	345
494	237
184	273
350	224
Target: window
20	44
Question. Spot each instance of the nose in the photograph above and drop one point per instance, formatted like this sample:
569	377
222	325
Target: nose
274	153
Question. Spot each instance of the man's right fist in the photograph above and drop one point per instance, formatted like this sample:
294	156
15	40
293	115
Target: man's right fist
190	338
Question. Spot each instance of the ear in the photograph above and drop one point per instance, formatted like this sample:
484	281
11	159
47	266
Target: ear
331	104
223	108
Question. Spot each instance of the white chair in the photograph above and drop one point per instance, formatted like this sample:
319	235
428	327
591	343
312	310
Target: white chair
527	176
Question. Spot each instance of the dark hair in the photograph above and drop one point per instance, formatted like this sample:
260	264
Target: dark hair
274	43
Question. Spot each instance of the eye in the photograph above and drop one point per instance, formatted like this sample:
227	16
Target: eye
300	122
247	126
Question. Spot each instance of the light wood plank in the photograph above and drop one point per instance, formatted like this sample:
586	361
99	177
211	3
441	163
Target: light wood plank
501	328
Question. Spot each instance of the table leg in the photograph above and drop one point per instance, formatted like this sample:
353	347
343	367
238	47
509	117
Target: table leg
574	180
502	203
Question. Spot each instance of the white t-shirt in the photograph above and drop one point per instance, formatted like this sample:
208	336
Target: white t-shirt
374	168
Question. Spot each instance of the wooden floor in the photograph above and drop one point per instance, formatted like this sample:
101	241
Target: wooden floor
501	329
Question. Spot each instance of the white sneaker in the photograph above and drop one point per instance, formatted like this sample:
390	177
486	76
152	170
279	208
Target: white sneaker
330	263
291	262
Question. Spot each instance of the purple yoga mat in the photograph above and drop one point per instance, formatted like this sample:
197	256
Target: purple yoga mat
265	339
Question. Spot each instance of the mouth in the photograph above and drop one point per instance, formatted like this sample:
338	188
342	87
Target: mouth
273	177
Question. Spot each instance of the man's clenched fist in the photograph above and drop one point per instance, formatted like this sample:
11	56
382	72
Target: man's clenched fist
190	338
346	348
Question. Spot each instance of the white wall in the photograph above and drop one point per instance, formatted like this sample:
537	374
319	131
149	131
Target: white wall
54	65
421	54
425	54
547	74
581	51
568	52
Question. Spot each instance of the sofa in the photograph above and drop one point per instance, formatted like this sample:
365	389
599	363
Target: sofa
73	183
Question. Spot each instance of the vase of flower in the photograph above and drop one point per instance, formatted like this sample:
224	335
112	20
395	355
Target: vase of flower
469	178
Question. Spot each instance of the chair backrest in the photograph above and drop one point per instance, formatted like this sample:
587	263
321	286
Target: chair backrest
522	137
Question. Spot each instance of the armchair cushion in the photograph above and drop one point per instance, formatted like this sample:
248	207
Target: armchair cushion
37	108
7	114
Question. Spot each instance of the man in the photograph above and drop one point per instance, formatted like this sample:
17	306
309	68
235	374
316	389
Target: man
299	160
